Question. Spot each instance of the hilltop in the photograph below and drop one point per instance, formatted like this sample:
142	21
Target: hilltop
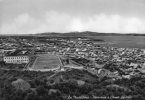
88	33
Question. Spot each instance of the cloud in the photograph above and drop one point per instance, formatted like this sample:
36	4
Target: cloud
61	22
114	23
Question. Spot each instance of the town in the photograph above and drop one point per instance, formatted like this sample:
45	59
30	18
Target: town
60	55
79	53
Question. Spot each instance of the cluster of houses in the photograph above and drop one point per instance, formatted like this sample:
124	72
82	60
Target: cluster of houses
131	61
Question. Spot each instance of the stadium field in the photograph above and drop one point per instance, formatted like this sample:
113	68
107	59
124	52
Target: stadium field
46	61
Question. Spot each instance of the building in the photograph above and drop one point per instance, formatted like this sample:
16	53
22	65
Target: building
73	67
17	57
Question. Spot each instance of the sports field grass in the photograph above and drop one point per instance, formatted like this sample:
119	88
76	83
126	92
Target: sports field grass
46	61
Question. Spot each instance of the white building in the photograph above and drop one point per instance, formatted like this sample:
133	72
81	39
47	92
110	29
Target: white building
16	59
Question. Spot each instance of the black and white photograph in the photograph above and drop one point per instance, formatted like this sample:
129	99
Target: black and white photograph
72	49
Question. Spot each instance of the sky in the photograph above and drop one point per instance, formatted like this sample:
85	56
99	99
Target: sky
36	16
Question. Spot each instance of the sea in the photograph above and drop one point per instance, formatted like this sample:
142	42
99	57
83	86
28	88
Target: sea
124	41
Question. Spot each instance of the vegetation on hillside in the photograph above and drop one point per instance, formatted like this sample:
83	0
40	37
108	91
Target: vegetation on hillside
92	86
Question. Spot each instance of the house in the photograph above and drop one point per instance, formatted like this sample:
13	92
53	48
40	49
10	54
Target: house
134	65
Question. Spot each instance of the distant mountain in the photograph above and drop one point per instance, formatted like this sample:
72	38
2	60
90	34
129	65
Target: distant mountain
87	33
75	34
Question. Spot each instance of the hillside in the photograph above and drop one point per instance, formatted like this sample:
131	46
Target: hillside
70	83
